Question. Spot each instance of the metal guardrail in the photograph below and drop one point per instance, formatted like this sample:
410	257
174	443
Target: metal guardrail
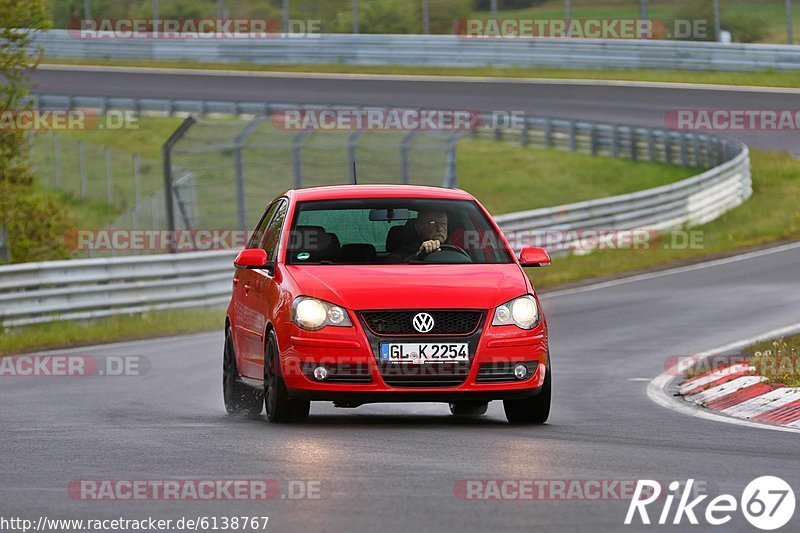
689	202
41	292
90	288
435	50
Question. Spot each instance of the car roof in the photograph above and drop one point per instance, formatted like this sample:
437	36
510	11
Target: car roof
336	192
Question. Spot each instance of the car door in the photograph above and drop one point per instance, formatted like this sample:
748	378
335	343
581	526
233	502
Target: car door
247	326
265	290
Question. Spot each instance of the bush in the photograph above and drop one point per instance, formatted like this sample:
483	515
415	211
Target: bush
37	224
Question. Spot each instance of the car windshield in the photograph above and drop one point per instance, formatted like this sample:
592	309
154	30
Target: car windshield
393	231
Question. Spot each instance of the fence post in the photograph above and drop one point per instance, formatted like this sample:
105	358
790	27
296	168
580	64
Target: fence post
241	208
698	155
548	133
523	134
451	171
109	182
634	145
593	138
56	163
166	154
82	164
573	141
404	148
684	154
352	143
614	141
667	147
651	145
297	144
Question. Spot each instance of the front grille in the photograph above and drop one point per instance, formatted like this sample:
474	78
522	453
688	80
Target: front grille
343	373
502	372
425	375
401	322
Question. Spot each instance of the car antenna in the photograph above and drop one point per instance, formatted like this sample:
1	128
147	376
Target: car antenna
355	179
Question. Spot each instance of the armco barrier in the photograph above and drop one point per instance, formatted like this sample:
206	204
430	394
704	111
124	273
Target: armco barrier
435	50
89	288
41	292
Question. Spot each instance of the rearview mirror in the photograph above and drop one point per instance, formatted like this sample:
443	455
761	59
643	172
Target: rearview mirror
534	257
388	215
251	258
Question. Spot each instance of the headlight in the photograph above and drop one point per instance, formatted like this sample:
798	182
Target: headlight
521	311
313	314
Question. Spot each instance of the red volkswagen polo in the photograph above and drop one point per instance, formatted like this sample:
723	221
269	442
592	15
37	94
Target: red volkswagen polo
384	293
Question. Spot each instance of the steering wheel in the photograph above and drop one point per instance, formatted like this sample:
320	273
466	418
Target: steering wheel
443	247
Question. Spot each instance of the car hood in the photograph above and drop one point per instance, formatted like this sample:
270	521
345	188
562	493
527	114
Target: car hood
361	287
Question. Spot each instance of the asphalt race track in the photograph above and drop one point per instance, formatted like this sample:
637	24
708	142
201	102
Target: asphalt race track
394	467
623	104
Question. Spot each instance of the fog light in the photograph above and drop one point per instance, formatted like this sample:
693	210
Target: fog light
320	373
520	371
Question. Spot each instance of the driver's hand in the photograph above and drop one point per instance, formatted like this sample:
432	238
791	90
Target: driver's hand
429	247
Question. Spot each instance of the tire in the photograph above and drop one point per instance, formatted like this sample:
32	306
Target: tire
280	408
240	399
473	408
533	410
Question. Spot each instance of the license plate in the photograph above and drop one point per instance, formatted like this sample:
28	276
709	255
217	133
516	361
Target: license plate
424	352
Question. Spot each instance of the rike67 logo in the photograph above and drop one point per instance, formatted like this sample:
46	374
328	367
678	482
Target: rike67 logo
767	503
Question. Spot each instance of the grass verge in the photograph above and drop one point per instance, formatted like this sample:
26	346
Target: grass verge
765	78
507	178
771	215
778	360
65	334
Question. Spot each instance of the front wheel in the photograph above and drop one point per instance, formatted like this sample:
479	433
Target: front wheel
533	410
469	408
280	408
240	399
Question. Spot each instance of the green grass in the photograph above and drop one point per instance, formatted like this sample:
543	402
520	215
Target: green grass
772	12
765	78
494	171
507	178
778	360
118	328
771	215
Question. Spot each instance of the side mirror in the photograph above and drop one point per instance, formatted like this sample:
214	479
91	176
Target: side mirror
534	257
251	258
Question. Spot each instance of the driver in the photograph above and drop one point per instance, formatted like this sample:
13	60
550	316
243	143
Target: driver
431	229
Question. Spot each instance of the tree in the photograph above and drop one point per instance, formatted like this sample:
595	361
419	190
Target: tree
20	21
35	222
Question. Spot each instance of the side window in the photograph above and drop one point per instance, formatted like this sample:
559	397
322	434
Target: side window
255	239
272	234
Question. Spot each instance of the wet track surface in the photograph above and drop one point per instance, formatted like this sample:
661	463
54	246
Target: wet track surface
394	467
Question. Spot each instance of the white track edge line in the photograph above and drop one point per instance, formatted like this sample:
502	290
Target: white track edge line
657	389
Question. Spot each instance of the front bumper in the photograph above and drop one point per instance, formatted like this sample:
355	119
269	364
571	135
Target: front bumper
356	347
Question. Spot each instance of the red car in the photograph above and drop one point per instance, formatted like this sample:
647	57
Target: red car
384	293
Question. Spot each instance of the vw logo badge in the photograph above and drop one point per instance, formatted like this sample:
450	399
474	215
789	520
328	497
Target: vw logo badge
422	322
